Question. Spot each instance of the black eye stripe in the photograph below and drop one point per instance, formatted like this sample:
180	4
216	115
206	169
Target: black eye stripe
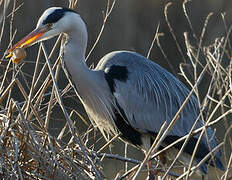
56	15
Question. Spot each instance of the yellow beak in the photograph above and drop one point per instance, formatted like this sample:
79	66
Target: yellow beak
27	41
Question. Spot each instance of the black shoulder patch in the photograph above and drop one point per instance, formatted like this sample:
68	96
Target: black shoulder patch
57	15
116	72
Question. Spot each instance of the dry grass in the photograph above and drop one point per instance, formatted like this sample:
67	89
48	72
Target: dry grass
29	151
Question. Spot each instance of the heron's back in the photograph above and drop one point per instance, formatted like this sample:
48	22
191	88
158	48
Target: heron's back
149	95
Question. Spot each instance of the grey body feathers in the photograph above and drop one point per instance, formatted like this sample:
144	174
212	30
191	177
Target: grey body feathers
151	95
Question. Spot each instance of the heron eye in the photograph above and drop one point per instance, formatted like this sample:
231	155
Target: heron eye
49	25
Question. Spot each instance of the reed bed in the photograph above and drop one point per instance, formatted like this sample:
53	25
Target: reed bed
29	151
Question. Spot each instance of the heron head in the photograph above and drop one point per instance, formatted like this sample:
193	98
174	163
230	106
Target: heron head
54	21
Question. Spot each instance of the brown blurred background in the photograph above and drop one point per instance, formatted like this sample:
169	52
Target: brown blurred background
131	26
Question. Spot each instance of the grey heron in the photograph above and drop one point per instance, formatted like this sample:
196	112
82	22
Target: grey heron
126	92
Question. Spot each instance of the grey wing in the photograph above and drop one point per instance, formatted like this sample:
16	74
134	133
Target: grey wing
150	95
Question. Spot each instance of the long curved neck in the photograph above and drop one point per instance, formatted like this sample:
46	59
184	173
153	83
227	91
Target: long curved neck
91	85
85	79
74	55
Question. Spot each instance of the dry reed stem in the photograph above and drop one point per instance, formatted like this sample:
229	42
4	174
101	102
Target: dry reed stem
27	112
152	149
172	31
176	118
109	9
153	41
70	123
188	19
194	168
